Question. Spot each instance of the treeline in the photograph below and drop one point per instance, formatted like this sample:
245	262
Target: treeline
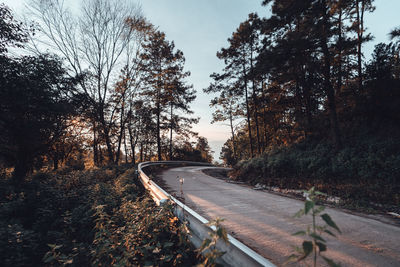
300	76
102	86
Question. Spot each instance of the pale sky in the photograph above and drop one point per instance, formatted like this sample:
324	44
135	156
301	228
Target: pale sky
200	28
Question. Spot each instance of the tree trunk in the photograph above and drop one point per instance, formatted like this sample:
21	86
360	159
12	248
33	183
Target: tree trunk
248	113
360	30
170	135
255	111
263	87
233	135
122	130
255	114
21	167
133	143
126	149
328	85
106	135
141	151
340	51
55	163
158	132
95	151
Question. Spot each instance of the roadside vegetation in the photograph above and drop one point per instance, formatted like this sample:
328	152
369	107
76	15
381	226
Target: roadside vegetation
364	174
314	244
99	217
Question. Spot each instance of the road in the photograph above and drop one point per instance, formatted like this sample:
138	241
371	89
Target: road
264	221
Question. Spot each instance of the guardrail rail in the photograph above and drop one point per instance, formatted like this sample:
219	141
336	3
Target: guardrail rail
236	253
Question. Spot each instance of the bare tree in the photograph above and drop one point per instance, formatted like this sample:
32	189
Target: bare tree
92	42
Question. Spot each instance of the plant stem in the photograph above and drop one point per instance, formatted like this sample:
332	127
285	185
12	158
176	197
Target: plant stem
315	243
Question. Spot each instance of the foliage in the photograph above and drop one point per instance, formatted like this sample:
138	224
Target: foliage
139	234
12	32
315	244
36	104
83	218
199	152
208	248
165	91
299	76
94	42
363	172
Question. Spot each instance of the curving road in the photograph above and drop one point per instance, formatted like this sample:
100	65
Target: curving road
265	222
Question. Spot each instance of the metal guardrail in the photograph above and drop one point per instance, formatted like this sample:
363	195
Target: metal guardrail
236	253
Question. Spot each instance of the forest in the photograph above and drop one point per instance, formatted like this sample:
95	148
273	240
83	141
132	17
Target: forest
112	89
304	106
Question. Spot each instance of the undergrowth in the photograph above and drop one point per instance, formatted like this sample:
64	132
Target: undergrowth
366	170
100	217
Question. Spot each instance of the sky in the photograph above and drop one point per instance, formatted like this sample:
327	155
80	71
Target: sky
200	28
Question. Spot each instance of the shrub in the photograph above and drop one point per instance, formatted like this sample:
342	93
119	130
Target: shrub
82	218
366	169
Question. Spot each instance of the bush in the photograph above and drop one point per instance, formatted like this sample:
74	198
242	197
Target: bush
84	218
366	169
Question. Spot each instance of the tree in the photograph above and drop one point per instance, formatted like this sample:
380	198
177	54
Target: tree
201	152
179	96
395	36
240	60
12	32
313	24
381	99
227	108
361	6
68	144
93	42
164	89
204	148
36	104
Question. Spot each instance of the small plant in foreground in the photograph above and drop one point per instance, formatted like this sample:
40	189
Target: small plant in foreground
208	247
314	244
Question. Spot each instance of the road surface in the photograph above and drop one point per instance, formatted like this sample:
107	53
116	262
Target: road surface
265	222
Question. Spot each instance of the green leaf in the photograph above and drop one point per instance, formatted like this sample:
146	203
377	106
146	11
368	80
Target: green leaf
299	213
300	233
308	206
221	233
317	237
330	262
321	246
307	248
168	244
329	232
48	258
330	222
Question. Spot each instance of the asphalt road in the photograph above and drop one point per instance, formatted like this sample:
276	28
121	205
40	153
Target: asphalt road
264	221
